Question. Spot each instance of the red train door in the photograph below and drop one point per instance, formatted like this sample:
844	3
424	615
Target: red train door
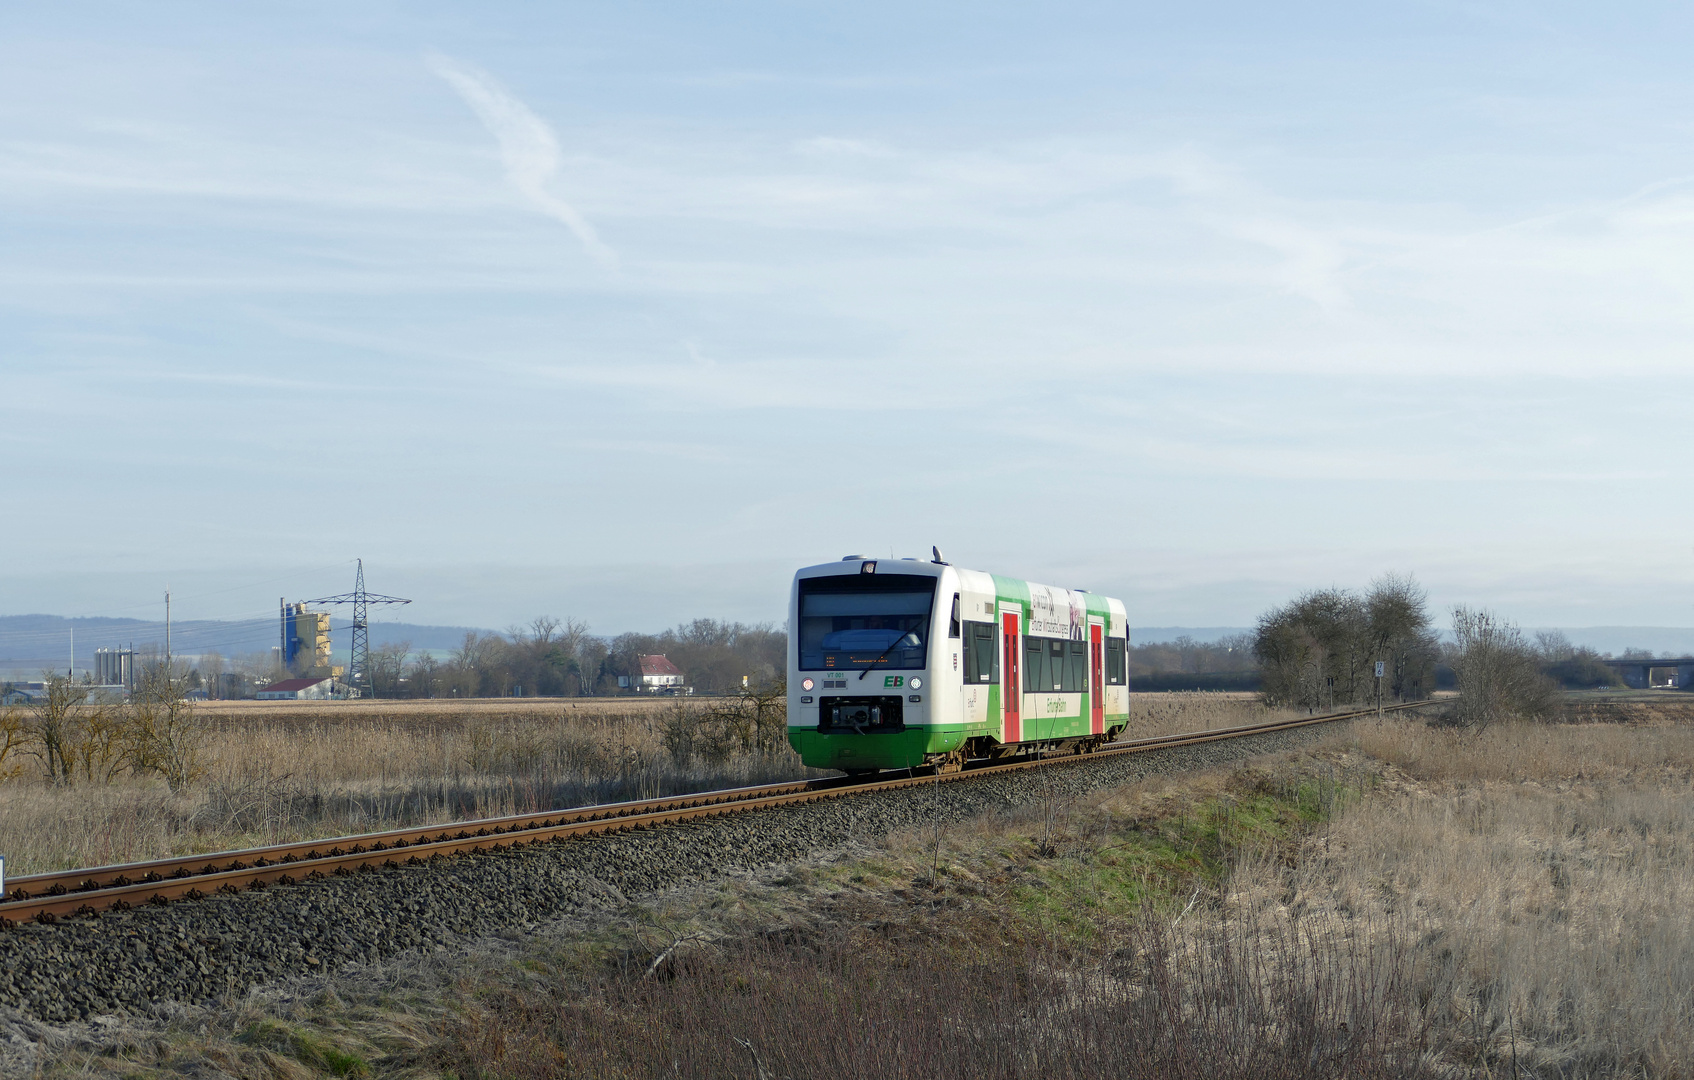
1011	686
1097	688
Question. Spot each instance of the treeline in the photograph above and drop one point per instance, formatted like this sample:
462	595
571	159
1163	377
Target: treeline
1186	664
1233	653
1577	667
1321	650
554	658
73	736
1318	649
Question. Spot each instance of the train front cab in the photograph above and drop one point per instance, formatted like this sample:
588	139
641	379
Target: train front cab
861	693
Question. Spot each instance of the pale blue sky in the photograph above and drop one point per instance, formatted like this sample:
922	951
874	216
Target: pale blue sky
622	312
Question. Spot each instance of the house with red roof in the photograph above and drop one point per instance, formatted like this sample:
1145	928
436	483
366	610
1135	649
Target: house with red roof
660	676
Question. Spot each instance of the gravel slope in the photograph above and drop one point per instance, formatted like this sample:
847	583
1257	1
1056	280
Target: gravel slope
138	960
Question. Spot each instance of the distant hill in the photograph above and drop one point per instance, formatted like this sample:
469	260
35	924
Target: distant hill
29	643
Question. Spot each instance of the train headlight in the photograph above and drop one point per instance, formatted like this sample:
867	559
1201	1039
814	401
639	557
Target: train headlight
917	683
807	684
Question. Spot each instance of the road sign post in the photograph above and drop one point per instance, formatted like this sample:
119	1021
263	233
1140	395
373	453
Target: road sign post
1380	667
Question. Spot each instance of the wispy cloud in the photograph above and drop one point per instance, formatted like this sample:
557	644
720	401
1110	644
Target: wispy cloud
528	148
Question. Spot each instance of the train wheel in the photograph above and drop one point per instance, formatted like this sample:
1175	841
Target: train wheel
948	763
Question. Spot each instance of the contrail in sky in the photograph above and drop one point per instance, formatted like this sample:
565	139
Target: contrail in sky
528	148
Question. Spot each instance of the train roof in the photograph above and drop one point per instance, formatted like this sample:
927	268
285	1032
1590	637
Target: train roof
976	580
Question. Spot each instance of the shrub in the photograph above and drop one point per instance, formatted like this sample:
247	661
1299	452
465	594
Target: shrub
1498	671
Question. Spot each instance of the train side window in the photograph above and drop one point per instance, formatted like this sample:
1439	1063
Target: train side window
1058	672
1076	670
1116	673
982	659
953	627
1034	665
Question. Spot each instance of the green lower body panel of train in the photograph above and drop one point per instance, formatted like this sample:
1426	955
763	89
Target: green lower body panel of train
849	750
874	750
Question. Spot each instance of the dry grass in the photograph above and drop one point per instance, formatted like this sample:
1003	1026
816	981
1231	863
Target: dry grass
1556	754
855	1003
431	709
270	782
279	771
1545	874
1150	714
1181	711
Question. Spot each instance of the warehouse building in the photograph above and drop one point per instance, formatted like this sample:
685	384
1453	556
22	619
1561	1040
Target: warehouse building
299	690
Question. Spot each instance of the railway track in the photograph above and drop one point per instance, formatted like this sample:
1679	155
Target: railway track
46	898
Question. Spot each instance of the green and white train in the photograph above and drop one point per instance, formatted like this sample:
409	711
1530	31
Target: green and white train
894	664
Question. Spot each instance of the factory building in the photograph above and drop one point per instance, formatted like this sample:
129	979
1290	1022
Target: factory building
305	642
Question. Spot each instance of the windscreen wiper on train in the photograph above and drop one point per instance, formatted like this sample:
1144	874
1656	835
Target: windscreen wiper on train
883	655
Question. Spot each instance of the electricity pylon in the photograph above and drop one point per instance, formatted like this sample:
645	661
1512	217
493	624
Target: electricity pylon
359	668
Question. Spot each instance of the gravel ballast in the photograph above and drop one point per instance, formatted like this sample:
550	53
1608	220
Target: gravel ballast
138	961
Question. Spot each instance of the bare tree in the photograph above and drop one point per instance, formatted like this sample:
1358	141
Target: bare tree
211	668
1553	646
12	741
755	720
1498	671
1398	634
53	727
165	736
1310	650
423	679
387	667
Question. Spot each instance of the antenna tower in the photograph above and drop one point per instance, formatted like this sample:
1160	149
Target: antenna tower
358	669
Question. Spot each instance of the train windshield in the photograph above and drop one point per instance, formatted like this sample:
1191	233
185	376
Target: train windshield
850	623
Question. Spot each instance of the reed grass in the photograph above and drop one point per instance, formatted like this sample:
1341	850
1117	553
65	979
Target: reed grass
1545	874
282	772
269	782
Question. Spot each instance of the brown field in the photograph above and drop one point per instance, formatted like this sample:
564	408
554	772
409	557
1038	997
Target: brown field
280	771
405	709
1151	714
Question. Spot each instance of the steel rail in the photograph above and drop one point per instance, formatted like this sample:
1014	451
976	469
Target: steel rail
86	880
48	897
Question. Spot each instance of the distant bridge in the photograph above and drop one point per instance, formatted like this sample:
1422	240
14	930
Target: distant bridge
1678	673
